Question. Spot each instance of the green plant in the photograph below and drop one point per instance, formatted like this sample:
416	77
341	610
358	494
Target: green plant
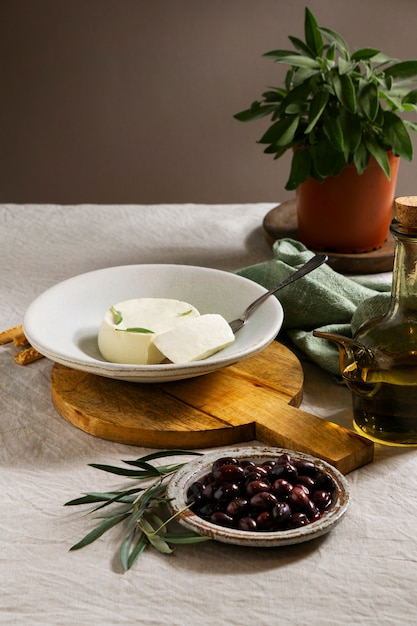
336	107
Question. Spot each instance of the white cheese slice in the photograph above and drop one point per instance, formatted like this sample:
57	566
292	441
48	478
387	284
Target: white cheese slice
149	316
195	339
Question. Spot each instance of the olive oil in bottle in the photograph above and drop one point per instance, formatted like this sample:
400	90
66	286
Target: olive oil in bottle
385	391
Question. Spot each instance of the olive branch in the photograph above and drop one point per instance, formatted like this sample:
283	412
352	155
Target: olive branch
137	509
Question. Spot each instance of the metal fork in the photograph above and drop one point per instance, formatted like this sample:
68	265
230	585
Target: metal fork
308	267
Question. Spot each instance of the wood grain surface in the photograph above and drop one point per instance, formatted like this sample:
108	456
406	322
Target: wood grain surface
281	222
257	399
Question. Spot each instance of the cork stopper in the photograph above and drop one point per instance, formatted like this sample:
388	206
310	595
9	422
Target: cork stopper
406	211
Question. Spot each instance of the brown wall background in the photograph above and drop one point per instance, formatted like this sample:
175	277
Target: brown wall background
132	101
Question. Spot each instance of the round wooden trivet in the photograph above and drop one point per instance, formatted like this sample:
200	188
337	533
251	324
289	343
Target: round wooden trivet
281	222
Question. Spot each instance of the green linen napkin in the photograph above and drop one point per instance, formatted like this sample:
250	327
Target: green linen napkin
323	300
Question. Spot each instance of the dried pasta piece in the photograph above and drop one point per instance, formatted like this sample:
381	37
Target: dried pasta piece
20	340
29	355
10	334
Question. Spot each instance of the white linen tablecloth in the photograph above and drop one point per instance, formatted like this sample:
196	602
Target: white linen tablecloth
363	572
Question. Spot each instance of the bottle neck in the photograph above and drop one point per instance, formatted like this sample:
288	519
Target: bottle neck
404	277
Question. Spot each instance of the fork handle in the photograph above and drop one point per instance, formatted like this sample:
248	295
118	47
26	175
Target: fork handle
308	267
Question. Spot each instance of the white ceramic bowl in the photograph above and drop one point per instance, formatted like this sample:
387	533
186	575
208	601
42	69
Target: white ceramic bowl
63	322
196	469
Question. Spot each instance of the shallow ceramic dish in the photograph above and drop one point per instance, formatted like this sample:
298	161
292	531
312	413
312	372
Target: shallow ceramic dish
63	322
192	471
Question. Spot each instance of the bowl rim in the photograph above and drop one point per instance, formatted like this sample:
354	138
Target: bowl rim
144	373
191	471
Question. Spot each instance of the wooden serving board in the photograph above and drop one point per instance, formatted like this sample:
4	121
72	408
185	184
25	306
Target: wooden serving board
255	399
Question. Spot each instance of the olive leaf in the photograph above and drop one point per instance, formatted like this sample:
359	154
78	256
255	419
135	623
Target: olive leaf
135	330
129	550
118	317
154	539
100	530
138	509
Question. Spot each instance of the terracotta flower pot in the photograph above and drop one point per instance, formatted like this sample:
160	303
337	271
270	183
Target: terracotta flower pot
349	212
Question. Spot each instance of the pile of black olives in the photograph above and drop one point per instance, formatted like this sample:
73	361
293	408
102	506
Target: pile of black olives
274	495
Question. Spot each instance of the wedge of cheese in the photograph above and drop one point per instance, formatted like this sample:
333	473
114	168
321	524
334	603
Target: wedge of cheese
195	339
128	330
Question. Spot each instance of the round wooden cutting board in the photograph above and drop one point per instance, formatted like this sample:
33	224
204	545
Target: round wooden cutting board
254	399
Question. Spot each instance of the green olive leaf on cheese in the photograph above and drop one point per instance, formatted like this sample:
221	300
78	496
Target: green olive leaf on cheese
117	315
135	330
